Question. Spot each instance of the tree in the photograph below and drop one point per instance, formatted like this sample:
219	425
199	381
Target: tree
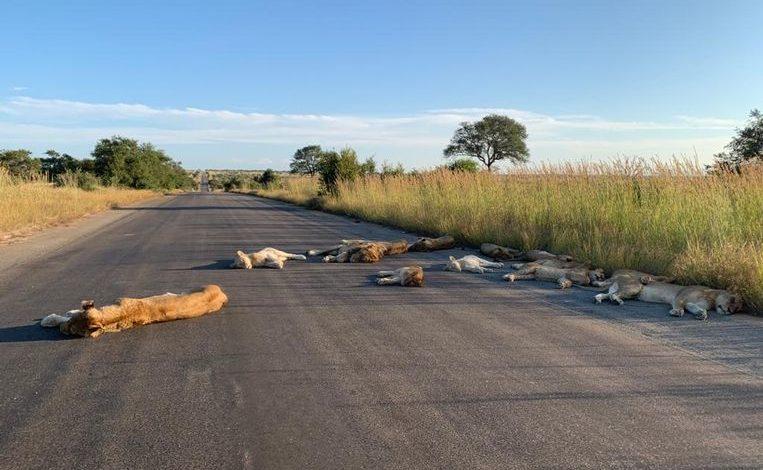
335	167
269	178
746	146
368	167
389	169
305	160
464	164
125	162
19	162
56	164
489	140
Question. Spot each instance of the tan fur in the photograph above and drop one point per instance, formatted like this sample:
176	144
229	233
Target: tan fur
625	284
564	276
499	252
265	258
471	263
409	276
506	253
432	244
126	313
698	300
361	251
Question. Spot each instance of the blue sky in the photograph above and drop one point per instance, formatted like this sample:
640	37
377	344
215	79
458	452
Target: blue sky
243	83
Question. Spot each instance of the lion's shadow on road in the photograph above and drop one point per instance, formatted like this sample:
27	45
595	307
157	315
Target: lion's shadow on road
30	333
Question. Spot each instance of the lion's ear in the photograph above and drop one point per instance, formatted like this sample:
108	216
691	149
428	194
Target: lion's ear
240	253
452	258
88	304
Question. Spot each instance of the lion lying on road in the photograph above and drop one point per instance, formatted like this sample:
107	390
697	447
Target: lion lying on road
432	244
410	276
361	251
471	263
507	253
625	284
265	258
565	273
696	299
90	321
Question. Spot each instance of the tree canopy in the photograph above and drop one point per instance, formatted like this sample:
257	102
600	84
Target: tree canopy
489	140
305	160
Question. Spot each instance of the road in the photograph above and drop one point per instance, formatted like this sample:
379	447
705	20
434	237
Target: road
316	367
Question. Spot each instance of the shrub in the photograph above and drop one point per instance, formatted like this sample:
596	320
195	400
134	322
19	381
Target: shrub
464	164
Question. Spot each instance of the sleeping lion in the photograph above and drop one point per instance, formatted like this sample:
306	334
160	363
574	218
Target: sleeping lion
409	276
625	284
698	300
90	321
565	273
265	258
360	251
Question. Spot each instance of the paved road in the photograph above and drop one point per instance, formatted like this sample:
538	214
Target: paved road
316	367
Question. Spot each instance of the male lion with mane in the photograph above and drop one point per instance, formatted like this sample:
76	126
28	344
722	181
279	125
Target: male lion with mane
361	251
89	321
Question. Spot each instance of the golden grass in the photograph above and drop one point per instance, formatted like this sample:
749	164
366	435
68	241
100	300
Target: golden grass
662	218
26	206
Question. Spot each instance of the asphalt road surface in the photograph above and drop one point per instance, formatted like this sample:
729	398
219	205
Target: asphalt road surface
317	367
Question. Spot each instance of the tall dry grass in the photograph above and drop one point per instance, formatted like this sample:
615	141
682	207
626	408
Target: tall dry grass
663	218
31	204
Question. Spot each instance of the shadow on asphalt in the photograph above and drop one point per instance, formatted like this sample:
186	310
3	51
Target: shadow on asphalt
206	208
219	264
29	333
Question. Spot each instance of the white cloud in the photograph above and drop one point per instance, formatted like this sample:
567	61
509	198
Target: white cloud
19	88
419	136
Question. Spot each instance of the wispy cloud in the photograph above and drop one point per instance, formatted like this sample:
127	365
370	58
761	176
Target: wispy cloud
27	119
19	88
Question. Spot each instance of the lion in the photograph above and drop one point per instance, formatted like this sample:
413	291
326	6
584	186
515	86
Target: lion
265	258
625	284
361	251
432	244
506	253
698	300
89	321
471	263
565	273
409	276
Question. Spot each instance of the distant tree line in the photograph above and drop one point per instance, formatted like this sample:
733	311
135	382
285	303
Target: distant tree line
117	161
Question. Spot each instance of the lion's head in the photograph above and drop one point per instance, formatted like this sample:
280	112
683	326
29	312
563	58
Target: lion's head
729	302
453	264
596	275
84	322
241	261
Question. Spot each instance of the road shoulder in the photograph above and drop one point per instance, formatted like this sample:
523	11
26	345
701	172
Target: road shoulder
50	240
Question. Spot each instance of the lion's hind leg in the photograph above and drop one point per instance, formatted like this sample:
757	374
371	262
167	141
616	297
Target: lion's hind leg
511	277
389	280
385	273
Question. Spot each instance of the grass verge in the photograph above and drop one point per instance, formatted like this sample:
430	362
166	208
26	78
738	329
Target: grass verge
28	206
662	218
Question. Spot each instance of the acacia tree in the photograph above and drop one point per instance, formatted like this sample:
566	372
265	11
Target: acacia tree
746	146
306	160
489	140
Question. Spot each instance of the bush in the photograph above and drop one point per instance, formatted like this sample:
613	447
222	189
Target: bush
269	178
334	168
464	164
77	179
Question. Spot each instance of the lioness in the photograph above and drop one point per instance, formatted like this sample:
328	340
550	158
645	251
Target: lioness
696	299
431	244
90	321
361	251
565	273
625	284
471	263
410	276
265	258
506	253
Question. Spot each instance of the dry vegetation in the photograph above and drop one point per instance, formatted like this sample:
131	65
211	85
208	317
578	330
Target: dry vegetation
663	218
31	204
